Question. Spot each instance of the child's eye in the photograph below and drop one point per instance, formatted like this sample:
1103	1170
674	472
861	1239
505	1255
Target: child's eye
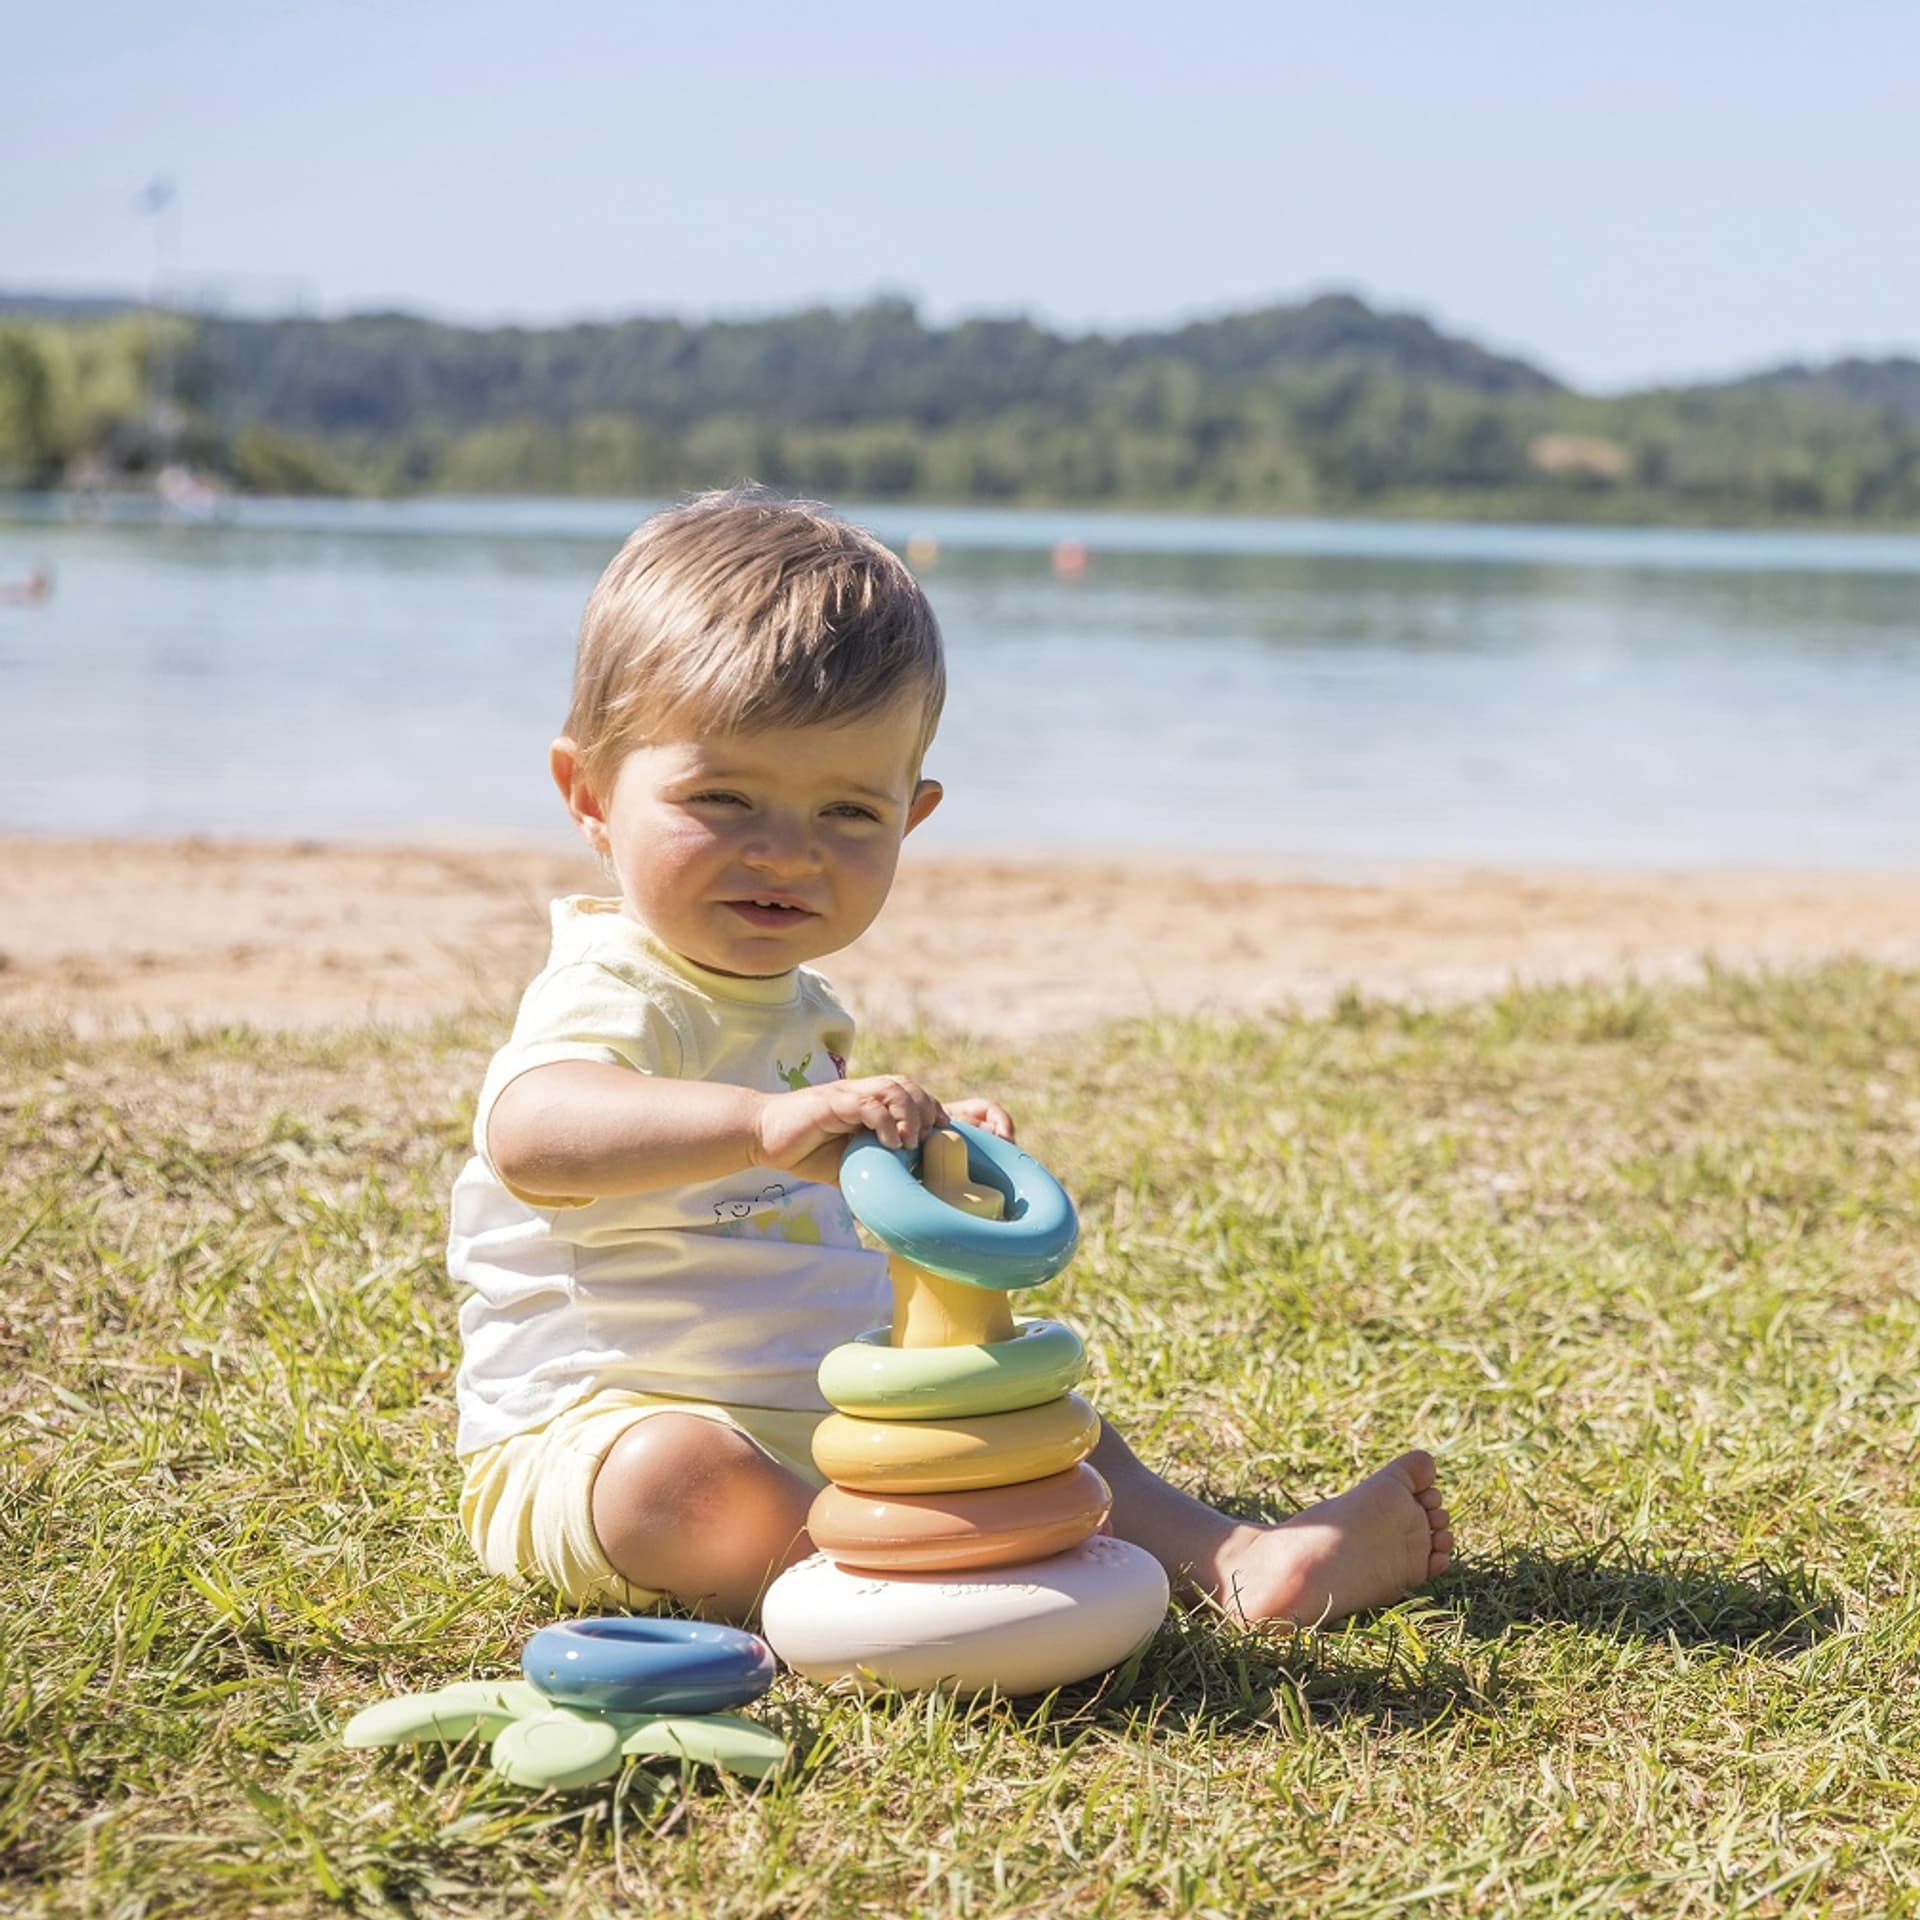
852	810
716	800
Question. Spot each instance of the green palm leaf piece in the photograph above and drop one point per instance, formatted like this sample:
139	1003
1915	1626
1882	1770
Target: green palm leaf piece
541	1744
559	1748
711	1739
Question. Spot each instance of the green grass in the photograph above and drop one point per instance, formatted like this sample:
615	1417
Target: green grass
1643	1268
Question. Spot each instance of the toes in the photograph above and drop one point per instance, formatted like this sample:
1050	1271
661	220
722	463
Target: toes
1439	1519
1429	1497
1439	1553
1418	1469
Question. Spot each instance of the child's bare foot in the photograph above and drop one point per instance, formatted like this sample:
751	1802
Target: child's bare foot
1368	1547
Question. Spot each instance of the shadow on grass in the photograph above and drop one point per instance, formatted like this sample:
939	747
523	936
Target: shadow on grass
1436	1657
1203	1672
1613	1590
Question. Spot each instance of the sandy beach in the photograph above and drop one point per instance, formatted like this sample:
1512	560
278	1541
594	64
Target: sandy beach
118	933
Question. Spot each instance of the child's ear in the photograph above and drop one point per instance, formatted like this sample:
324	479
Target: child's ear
926	796
583	804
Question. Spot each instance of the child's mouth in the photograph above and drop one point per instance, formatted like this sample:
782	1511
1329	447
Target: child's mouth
770	913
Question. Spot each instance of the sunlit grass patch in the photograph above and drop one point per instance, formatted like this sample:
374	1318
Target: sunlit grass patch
1641	1264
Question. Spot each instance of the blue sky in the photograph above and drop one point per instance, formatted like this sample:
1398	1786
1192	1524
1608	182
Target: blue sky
1622	193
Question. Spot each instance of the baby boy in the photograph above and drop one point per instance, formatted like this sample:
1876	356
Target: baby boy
655	1251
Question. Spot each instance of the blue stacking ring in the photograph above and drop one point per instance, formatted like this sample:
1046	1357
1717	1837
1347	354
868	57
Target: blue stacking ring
1033	1242
618	1664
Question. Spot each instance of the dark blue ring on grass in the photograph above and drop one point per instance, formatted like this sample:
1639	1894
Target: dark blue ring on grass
1032	1244
619	1664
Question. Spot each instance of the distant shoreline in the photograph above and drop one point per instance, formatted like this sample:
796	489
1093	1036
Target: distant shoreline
113	934
1251	532
1520	514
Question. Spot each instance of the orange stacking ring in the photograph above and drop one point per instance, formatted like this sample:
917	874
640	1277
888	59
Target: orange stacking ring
948	1456
936	1532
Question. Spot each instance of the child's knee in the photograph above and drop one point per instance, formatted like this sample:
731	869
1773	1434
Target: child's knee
681	1502
674	1470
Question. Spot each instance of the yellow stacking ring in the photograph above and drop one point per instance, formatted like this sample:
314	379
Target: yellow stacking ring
954	1532
871	1376
947	1456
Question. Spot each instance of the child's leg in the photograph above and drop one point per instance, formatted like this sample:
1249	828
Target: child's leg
695	1509
1369	1546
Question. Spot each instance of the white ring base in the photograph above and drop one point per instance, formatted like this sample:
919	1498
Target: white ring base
1015	1630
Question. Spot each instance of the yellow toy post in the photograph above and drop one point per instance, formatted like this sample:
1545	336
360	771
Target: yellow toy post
929	1311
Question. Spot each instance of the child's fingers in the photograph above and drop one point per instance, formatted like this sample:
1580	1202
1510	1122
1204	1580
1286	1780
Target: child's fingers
895	1111
898	1112
928	1113
920	1113
984	1113
880	1119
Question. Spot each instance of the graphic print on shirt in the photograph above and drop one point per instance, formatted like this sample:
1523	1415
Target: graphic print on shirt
796	1077
776	1213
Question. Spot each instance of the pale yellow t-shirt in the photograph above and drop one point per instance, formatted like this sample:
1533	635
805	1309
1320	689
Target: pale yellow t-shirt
731	1290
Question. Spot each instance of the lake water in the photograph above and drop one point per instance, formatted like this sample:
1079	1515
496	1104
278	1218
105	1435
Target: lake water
1308	693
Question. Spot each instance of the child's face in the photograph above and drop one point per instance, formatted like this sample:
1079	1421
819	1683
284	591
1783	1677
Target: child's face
751	852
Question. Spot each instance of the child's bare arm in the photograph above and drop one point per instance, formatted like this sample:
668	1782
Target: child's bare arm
586	1130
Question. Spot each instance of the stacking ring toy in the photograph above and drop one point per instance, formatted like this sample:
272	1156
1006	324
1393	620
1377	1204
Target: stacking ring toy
1033	1242
947	1456
870	1376
959	1541
932	1532
1018	1629
618	1664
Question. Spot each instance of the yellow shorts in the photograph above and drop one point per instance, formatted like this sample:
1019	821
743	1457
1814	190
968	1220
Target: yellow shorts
527	1501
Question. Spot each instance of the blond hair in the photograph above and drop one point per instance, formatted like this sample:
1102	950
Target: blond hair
741	610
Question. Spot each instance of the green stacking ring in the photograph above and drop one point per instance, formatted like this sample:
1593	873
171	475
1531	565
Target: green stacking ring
867	1377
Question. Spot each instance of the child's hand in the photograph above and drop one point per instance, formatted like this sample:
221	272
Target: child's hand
806	1132
989	1114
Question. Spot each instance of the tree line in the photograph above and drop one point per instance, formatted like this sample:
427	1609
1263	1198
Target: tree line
1323	407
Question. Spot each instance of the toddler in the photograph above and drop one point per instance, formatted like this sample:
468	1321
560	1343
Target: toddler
655	1250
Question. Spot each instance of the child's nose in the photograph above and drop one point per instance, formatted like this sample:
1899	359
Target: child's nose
782	847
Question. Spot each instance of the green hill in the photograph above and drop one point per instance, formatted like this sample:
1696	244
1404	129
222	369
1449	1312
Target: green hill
1892	384
385	373
1327	406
